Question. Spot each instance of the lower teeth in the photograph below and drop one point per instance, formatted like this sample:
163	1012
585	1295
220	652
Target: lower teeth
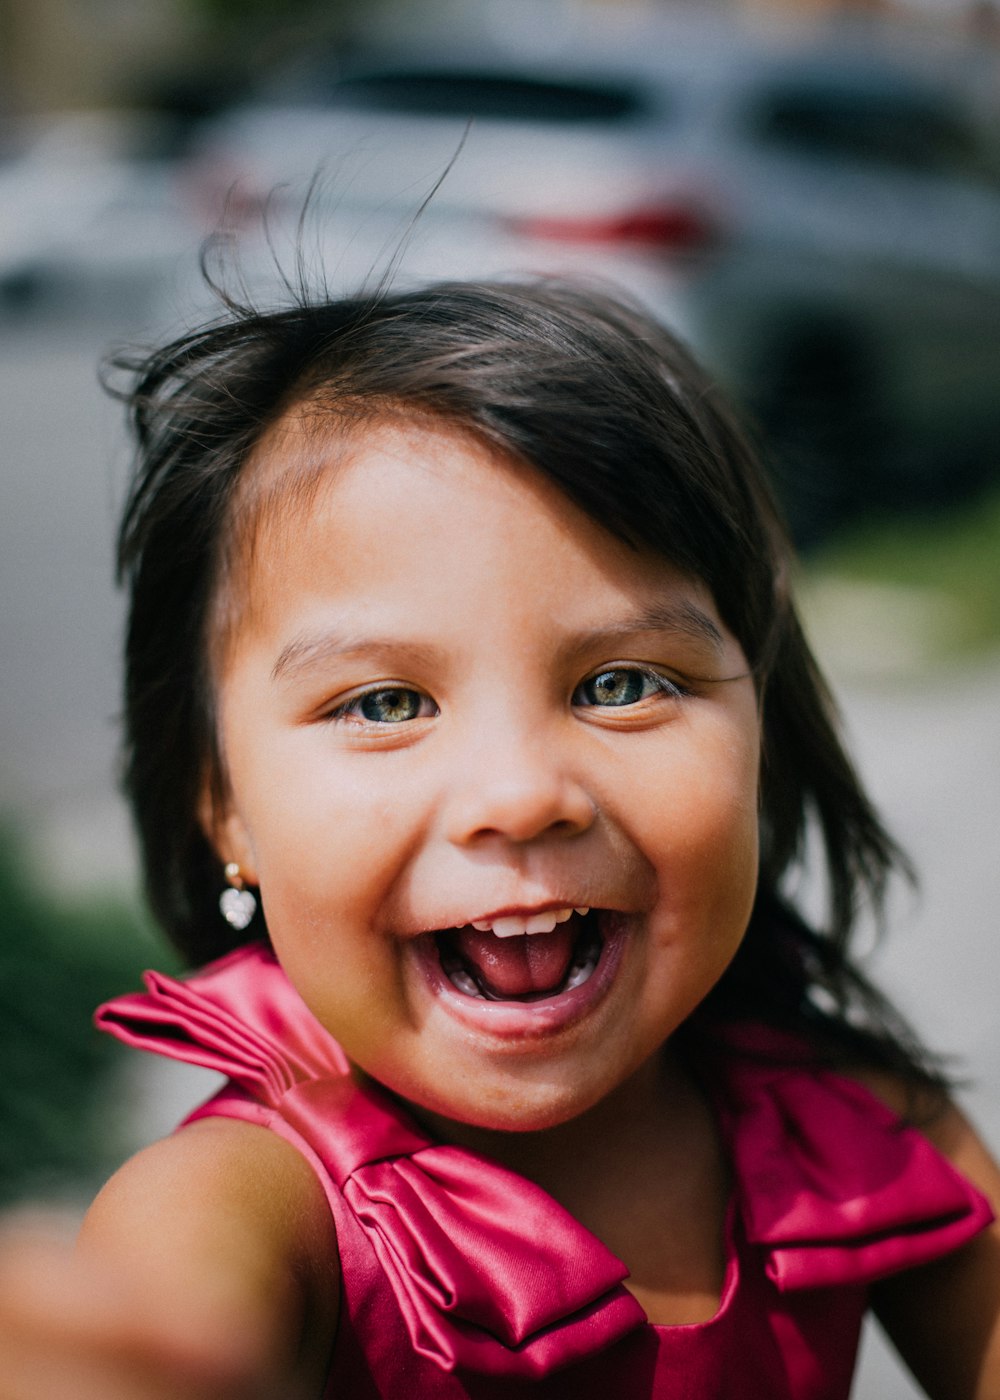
579	975
465	982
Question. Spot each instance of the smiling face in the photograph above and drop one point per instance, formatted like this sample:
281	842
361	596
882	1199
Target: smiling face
454	713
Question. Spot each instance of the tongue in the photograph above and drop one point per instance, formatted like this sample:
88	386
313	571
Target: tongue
518	966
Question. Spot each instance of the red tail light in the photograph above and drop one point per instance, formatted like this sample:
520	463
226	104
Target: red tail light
223	195
666	229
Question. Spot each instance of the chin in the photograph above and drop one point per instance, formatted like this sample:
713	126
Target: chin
510	1108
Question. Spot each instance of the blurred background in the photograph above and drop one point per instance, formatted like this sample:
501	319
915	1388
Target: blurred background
807	190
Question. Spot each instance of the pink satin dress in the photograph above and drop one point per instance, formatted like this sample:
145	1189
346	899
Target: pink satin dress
463	1279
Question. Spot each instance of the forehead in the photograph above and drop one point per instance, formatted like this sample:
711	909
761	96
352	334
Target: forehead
302	459
363	473
394	489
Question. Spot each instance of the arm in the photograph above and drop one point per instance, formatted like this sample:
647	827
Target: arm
944	1318
205	1268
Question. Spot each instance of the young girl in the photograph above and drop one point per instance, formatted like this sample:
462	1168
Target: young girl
462	666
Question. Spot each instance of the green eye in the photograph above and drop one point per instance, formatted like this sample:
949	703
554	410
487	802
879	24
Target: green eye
622	685
394	705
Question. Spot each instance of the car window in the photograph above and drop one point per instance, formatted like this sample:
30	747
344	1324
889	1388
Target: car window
886	128
490	96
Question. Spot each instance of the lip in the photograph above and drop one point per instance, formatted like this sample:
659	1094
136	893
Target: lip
514	1021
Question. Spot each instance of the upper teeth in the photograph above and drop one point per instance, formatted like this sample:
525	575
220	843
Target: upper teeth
515	925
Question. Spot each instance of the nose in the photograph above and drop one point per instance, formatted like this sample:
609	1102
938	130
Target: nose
517	790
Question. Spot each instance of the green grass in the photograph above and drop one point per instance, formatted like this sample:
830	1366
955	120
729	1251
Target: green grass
57	963
950	563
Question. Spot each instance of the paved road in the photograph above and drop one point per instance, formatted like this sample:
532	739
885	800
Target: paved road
61	475
929	742
931	752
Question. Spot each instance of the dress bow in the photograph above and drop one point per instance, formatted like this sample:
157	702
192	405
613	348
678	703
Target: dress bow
481	1286
490	1273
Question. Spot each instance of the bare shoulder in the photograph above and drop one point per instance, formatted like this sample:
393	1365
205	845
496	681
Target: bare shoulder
944	1318
231	1218
207	1177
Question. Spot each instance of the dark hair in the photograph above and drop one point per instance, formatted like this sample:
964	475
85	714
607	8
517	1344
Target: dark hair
611	408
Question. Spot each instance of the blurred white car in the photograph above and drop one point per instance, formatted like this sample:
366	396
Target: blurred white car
88	211
821	220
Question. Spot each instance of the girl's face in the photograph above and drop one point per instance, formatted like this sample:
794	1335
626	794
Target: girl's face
456	713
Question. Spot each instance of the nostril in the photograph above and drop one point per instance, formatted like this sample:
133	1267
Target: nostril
520	811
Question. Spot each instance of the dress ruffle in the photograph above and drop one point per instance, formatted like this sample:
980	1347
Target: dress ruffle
833	1185
490	1273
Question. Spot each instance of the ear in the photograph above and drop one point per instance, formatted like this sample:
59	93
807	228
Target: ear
224	828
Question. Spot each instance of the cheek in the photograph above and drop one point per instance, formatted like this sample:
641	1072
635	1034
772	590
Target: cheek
705	830
328	850
347	984
318	832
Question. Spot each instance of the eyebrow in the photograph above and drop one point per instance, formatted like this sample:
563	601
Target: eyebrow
684	618
303	653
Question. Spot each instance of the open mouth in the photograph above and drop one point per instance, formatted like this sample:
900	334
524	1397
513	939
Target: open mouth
500	964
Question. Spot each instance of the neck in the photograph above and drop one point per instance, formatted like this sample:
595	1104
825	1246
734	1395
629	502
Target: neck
630	1124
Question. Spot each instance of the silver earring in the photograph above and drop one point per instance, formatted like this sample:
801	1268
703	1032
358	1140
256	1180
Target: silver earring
236	903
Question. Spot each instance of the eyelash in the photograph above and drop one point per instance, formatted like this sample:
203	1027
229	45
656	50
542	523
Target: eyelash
662	685
352	707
